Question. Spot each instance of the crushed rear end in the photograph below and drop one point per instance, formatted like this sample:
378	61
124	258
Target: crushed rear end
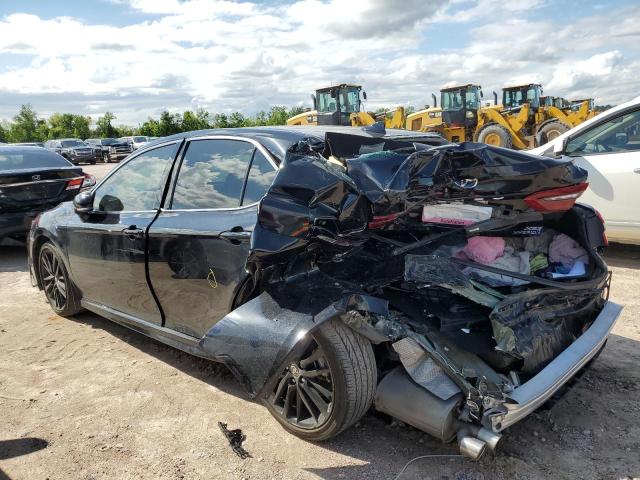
470	268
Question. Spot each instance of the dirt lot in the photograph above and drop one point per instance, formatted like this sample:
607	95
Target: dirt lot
88	399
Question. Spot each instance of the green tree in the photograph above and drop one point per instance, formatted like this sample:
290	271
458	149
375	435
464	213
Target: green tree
198	120
4	132
24	127
63	125
124	131
104	127
220	120
149	128
169	124
237	119
261	118
277	115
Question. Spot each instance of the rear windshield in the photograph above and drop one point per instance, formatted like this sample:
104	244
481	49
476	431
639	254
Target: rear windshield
30	158
109	141
73	143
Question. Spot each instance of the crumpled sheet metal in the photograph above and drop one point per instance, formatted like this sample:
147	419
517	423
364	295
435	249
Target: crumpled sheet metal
536	327
423	370
256	339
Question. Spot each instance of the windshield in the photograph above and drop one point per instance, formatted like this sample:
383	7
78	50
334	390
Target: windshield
72	143
451	100
109	141
10	159
517	97
139	139
348	98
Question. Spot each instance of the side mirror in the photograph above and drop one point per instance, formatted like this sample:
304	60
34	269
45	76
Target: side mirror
481	94
83	202
364	94
560	147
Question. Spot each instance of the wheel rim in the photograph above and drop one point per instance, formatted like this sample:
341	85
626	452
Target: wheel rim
303	396
55	286
551	134
492	139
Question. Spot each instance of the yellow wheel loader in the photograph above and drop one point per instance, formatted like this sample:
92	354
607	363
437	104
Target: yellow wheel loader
341	105
429	116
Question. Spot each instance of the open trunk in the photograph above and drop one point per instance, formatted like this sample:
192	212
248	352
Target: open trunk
471	267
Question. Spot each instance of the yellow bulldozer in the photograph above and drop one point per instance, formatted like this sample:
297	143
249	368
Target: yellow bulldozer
342	105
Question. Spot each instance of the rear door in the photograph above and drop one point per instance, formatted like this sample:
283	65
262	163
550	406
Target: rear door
610	151
199	243
106	248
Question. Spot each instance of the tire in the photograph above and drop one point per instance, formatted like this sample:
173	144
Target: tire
65	302
105	157
495	135
551	131
352	375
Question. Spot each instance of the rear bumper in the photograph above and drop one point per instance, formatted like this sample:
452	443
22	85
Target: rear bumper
17	223
531	395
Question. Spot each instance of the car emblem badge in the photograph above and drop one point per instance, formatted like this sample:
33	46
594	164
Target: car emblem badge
35	177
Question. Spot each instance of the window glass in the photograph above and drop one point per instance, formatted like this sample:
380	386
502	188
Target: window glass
326	103
451	100
212	174
137	186
619	134
349	100
259	180
472	98
14	159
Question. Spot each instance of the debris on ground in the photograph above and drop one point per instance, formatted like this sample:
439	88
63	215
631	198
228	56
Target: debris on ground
235	437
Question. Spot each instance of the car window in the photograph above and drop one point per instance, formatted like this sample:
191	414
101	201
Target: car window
14	160
212	174
259	180
618	134
138	184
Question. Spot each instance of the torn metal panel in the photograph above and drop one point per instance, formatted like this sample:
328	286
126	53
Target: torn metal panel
423	369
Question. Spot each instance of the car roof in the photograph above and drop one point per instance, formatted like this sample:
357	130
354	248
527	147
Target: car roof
9	149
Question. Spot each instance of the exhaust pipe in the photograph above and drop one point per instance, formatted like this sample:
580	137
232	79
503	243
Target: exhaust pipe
399	396
471	447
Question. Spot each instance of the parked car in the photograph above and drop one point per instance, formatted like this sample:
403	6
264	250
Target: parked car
28	144
331	268
113	150
75	150
608	147
32	180
136	141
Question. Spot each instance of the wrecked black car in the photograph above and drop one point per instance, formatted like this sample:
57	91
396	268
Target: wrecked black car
455	287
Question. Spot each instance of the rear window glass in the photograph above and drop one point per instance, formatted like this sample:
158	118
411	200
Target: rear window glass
36	158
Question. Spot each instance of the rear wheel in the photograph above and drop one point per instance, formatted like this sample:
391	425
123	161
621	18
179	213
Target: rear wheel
61	294
496	135
550	131
329	387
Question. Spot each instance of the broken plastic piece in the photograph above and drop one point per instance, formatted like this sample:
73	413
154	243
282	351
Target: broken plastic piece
235	437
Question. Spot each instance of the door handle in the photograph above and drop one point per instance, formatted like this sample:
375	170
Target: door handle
636	170
133	232
236	234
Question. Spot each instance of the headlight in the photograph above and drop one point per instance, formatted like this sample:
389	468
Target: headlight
469	114
112	149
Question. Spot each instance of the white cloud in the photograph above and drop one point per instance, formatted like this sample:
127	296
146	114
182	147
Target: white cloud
225	56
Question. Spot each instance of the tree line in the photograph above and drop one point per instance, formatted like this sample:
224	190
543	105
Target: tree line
26	126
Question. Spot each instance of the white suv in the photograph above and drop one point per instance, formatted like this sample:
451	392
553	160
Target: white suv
608	146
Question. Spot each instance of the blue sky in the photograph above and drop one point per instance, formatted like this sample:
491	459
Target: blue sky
137	57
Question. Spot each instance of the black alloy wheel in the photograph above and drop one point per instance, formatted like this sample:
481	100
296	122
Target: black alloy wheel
304	394
53	279
61	293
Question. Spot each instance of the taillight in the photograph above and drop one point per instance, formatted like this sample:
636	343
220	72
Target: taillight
556	199
380	221
605	239
89	181
74	183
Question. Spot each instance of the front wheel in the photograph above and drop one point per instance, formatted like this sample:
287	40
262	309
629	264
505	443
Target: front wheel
329	387
61	294
496	135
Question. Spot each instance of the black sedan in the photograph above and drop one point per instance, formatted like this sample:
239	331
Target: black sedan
331	268
32	180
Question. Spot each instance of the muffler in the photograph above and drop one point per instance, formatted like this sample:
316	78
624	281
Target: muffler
399	396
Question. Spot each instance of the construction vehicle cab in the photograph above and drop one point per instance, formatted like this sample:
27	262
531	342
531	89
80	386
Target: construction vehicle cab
460	105
516	96
336	104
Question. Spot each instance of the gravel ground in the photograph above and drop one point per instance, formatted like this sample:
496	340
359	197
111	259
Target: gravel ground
85	398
